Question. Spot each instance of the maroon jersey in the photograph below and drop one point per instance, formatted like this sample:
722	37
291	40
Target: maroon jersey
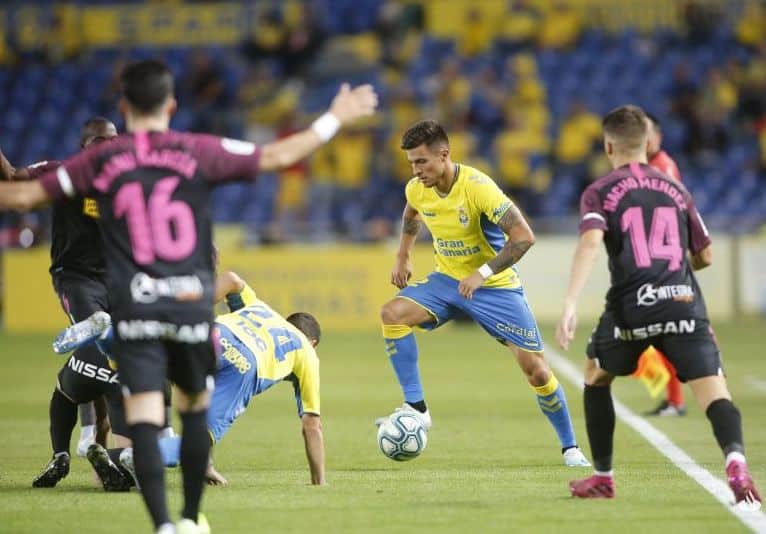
152	192
649	221
75	238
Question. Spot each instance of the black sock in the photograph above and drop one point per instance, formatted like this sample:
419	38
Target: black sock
727	425
599	420
63	417
195	449
167	395
419	406
149	470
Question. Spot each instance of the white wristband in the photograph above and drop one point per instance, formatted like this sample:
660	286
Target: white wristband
326	126
486	271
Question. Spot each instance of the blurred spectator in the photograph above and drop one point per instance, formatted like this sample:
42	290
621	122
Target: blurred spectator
561	26
487	103
303	41
700	21
205	85
751	29
449	90
578	134
521	24
397	28
475	33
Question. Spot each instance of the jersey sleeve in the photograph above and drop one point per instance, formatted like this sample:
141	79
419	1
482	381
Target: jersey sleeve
222	159
699	237
489	198
592	214
74	177
409	194
306	382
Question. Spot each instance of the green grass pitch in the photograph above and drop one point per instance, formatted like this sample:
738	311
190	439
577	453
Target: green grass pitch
492	462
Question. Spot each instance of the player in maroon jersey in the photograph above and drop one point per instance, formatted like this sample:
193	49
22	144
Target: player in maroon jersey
647	222
673	404
152	186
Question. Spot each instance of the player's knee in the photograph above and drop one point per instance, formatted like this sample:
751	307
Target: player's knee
391	313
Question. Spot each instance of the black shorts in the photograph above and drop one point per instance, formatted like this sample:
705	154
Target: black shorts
146	365
689	345
86	375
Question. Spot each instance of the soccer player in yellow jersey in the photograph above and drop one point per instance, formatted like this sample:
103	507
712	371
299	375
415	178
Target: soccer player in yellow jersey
258	348
478	237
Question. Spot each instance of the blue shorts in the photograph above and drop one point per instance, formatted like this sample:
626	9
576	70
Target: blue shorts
234	383
503	312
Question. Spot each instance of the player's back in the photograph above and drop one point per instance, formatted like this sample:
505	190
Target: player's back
649	221
279	348
152	190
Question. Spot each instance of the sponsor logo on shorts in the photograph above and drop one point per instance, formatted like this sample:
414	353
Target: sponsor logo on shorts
649	295
103	374
138	329
655	329
527	333
146	289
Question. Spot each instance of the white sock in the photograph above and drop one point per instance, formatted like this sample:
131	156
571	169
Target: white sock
735	456
87	432
609	473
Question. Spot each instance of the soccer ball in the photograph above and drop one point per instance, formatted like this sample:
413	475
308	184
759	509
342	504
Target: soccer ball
402	437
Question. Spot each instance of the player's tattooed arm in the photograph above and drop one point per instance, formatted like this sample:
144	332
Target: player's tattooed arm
410	221
520	239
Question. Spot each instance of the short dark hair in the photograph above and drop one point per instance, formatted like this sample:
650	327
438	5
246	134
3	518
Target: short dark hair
146	84
429	132
626	126
306	323
654	120
93	128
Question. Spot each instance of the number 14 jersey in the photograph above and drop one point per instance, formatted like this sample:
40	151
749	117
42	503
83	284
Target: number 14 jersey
649	222
152	190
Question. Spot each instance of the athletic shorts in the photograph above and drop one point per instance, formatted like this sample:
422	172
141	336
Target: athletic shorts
146	365
86	375
690	346
503	313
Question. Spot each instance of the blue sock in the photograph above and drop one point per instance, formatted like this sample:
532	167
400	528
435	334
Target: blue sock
170	449
553	403
403	353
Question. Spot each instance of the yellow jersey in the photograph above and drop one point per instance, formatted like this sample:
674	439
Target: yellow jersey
464	224
280	350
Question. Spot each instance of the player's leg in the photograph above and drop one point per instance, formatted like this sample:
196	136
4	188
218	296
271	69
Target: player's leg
191	368
422	304
697	358
505	314
552	401
142	366
87	413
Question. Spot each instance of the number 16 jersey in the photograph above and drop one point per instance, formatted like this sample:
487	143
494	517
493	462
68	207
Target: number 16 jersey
152	190
649	222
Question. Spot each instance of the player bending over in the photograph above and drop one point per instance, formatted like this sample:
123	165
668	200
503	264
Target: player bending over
478	237
258	348
647	222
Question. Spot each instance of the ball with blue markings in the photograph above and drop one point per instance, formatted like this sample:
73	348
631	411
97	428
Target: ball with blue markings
402	437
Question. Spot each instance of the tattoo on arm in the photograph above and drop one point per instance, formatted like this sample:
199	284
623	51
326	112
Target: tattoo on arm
410	226
520	239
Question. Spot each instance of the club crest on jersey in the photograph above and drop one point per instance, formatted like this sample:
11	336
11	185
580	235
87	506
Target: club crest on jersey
90	208
462	216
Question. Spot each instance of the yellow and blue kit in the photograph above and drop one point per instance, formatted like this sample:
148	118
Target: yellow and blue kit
259	348
465	236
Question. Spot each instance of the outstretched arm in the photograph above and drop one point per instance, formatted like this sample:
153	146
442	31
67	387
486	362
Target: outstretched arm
585	256
520	239
314	441
348	106
23	196
411	224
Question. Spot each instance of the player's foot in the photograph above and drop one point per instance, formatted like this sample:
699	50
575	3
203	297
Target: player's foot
166	528
741	483
80	333
87	438
573	457
187	526
665	409
56	469
593	487
126	461
110	475
425	417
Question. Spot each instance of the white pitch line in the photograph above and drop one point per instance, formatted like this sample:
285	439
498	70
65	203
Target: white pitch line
755	520
757	383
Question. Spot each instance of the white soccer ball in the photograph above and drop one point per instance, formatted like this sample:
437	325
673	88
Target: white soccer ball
402	437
